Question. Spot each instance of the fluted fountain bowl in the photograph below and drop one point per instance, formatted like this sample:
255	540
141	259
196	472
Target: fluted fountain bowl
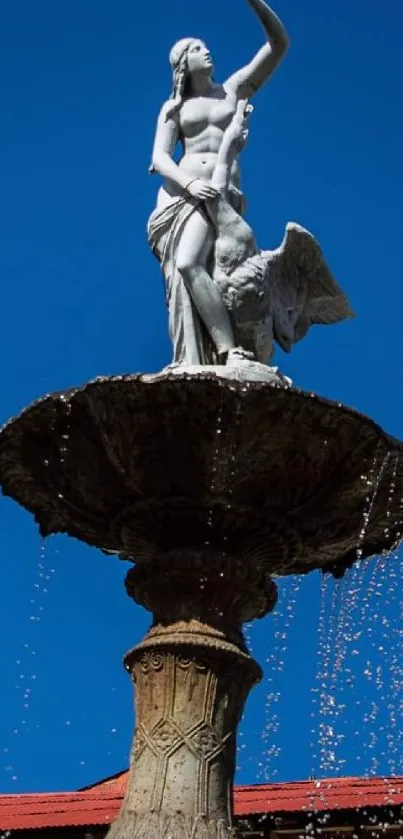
144	465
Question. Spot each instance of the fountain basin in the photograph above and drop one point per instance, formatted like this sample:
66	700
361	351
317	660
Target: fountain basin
142	466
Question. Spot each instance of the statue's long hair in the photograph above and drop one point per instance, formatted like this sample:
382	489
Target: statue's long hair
178	59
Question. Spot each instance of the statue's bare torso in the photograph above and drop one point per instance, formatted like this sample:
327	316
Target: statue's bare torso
201	123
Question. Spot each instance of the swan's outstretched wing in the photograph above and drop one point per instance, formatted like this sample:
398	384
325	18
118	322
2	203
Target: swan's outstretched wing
302	287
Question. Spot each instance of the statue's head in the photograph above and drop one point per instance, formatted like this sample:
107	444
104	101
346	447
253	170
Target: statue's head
188	57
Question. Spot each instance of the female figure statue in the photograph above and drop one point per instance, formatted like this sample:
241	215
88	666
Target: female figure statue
180	230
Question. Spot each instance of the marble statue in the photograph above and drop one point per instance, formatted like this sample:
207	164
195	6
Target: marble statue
227	299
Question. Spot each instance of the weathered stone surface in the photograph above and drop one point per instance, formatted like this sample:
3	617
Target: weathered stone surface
279	478
191	688
220	589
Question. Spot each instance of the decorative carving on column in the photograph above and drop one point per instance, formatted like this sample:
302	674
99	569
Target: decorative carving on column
192	675
189	700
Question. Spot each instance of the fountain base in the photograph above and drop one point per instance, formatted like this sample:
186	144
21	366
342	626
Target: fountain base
238	370
157	826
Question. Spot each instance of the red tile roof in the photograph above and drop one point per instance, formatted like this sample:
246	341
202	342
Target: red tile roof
326	795
99	804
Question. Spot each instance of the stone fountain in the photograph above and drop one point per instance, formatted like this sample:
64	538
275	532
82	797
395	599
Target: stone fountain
215	476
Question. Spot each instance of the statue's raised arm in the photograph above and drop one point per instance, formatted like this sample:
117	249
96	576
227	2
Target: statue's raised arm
250	78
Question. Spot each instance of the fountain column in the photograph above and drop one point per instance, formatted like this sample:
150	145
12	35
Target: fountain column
192	675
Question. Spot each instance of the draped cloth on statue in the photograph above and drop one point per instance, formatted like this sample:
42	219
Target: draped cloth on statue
191	342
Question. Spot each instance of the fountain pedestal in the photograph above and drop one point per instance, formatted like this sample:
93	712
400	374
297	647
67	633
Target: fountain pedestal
192	675
189	700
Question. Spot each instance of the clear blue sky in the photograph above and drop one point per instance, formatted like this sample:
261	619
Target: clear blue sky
81	84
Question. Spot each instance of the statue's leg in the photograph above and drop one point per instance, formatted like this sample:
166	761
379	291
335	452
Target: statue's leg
193	252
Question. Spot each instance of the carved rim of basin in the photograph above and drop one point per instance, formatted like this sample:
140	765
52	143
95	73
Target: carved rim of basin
144	465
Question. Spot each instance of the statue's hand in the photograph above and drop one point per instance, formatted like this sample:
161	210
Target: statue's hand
201	190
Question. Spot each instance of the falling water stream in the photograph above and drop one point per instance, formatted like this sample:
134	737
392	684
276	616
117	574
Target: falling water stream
360	671
275	673
357	696
27	658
